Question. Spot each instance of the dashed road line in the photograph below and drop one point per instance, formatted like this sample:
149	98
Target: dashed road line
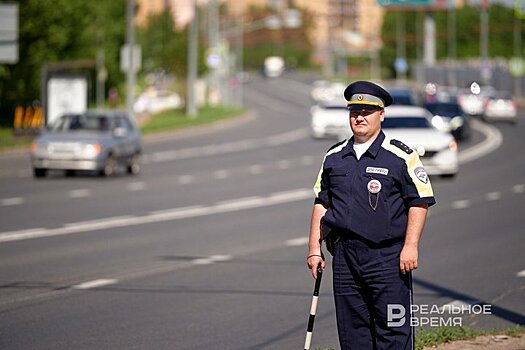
186	179
520	188
283	164
94	284
255	169
221	174
493	196
136	186
521	273
212	259
296	242
80	193
12	201
461	204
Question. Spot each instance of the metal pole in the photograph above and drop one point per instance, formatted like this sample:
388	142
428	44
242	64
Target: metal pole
313	309
484	41
131	73
191	109
517	54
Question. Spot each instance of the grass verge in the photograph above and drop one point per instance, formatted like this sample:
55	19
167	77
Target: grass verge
164	121
177	119
441	335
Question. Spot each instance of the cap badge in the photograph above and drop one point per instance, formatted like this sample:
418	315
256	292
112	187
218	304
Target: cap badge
360	97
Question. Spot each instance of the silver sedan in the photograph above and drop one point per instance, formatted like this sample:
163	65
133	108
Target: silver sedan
99	140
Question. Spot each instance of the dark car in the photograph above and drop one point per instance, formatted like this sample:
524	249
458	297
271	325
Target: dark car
449	116
404	96
99	140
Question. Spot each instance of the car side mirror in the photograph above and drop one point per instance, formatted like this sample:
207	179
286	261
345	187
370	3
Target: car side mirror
120	132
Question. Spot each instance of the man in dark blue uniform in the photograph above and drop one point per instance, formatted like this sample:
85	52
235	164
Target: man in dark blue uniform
372	197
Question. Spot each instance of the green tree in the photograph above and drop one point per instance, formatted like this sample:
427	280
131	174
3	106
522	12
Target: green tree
501	19
60	30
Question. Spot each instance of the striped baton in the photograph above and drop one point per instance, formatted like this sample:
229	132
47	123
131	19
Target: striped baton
313	309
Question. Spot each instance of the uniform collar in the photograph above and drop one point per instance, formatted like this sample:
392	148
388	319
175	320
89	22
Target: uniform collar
372	150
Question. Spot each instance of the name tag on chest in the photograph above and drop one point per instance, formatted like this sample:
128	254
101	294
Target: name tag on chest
373	170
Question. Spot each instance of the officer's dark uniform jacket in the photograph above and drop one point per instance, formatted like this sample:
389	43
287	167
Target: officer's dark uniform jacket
343	187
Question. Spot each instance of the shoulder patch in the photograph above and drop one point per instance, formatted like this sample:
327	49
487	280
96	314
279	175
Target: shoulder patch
401	146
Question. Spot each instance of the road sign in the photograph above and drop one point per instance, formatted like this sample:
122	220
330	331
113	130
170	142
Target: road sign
125	58
403	3
9	33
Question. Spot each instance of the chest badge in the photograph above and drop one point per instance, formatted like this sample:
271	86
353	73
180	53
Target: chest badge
374	186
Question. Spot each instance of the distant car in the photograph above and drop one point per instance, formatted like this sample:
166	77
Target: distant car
405	96
273	67
437	149
470	103
500	106
450	117
154	101
96	140
330	119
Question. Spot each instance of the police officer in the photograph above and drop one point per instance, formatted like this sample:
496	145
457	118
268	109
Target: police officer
371	200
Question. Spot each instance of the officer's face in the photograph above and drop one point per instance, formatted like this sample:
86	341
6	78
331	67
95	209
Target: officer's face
366	123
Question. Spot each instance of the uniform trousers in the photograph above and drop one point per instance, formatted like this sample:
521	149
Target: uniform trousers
367	282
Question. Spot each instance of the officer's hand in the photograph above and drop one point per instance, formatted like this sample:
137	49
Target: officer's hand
408	258
313	261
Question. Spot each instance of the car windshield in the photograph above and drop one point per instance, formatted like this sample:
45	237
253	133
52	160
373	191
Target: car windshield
81	123
406	122
444	109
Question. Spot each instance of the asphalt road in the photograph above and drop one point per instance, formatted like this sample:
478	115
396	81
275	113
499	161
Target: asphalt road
206	248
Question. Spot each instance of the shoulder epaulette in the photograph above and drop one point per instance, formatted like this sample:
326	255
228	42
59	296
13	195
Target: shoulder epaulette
337	145
401	146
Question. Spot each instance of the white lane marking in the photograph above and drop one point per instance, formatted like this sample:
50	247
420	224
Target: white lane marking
295	242
461	204
186	179
255	169
230	147
521	273
493	196
212	259
81	193
160	216
518	188
493	139
283	164
12	201
95	284
136	186
221	174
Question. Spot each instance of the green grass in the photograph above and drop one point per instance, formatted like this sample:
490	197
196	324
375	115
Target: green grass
440	335
9	140
177	119
164	121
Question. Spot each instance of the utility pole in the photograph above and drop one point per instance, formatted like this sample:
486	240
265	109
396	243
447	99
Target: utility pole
191	109
484	42
131	73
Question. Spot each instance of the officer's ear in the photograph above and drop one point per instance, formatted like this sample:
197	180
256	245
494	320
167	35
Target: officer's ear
382	114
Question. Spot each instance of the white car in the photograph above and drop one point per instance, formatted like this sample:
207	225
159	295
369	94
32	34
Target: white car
330	119
500	106
412	125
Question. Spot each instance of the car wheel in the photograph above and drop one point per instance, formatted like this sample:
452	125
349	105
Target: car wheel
134	165
39	172
109	167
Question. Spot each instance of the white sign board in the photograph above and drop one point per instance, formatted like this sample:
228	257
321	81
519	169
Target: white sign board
9	33
66	95
126	58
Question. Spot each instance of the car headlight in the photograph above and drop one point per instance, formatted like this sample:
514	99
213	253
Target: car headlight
439	122
456	122
91	150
